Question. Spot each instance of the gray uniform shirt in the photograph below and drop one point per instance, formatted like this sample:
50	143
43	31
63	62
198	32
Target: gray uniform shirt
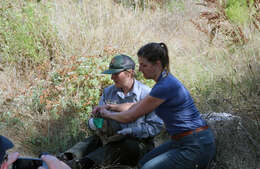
146	126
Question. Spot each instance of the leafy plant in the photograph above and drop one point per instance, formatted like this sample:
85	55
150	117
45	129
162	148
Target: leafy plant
238	11
26	37
226	18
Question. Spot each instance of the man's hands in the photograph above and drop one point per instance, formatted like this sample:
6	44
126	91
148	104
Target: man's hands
105	113
112	107
53	163
12	157
102	111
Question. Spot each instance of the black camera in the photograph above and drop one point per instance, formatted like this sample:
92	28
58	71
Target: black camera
28	163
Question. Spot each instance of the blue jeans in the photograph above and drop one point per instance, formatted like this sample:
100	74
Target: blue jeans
194	151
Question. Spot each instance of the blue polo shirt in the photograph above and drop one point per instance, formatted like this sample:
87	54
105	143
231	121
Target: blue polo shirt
178	110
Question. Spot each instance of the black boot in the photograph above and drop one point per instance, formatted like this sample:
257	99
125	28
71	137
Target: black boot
74	164
86	163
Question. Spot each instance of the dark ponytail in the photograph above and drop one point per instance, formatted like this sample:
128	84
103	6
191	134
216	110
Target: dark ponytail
154	52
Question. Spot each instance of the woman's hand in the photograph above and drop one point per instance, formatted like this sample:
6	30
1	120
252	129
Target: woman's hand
97	109
105	113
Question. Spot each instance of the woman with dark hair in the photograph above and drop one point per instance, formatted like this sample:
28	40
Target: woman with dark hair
192	143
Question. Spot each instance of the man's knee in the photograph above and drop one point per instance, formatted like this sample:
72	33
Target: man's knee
81	149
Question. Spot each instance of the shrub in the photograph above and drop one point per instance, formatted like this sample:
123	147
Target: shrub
227	19
238	11
26	36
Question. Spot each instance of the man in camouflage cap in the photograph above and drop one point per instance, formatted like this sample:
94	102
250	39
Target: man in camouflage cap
120	63
123	143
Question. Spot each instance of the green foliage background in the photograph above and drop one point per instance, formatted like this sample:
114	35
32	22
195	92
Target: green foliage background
239	11
27	37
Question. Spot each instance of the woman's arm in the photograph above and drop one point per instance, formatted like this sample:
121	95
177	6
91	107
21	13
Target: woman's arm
147	105
112	107
120	107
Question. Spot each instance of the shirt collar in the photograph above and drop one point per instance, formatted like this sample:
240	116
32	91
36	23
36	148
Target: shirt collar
163	75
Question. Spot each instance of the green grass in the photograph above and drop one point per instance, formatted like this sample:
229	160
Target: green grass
238	10
27	38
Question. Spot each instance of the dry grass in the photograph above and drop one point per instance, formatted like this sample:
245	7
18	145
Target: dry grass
90	26
220	78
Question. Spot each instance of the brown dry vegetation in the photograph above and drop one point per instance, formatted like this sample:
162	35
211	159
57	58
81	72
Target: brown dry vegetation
42	104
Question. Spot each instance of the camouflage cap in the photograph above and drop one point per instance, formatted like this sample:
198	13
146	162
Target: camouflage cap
5	144
120	63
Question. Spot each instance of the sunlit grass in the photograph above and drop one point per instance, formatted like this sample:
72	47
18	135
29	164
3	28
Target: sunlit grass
50	101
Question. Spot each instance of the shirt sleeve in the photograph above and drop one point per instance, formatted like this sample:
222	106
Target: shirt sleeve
150	126
160	91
